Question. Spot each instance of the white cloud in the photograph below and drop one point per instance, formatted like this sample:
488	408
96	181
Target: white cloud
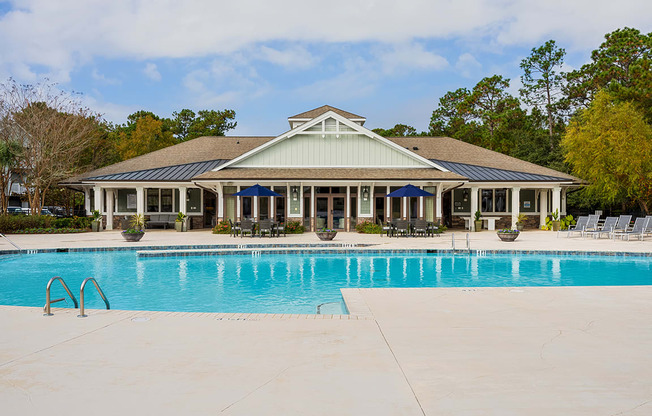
295	57
151	72
97	76
412	56
64	34
467	65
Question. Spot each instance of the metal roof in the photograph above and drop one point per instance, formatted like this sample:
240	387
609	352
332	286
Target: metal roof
183	172
485	174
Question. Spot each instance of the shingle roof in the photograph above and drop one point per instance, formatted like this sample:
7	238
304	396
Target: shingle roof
324	108
485	174
329	173
183	172
452	150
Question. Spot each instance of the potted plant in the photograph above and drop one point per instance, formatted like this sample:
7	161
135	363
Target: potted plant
555	220
180	222
520	222
326	234
477	222
136	229
507	234
96	223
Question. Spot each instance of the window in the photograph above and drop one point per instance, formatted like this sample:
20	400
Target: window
127	200
495	200
487	200
193	200
159	200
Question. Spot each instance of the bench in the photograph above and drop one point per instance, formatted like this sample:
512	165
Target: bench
489	221
161	219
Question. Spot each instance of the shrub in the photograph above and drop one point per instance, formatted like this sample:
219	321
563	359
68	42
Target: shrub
223	227
50	230
368	227
81	222
294	227
62	223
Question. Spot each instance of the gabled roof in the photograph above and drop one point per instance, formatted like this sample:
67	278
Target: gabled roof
316	112
183	172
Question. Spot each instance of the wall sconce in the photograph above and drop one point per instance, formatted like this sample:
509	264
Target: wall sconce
365	193
295	193
465	195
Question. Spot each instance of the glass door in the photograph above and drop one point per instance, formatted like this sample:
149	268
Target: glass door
321	212
338	217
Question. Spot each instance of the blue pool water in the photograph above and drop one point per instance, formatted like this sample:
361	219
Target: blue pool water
293	283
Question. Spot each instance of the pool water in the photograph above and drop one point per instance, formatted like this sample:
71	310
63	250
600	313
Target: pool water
292	283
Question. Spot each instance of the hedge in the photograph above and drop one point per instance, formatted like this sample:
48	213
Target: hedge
18	223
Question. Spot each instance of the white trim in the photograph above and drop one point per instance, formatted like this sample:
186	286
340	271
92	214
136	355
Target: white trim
343	120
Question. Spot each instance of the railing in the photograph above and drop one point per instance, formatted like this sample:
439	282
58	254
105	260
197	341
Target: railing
10	242
48	302
81	296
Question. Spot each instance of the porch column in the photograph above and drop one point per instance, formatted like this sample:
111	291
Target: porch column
563	201
405	207
420	214
272	212
109	209
474	207
254	212
347	222
183	204
99	195
140	200
87	200
556	199
543	207
388	205
312	207
438	204
238	216
516	204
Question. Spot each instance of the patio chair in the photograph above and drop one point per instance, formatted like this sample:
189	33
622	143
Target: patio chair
579	227
247	226
280	228
592	223
386	228
265	227
421	228
607	228
623	223
638	230
648	229
235	228
433	229
402	227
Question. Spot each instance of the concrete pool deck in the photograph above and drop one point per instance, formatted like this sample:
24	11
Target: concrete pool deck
442	351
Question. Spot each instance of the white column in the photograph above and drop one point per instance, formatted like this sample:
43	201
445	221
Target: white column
348	209
474	207
254	212
563	201
388	205
109	208
543	207
420	214
438	204
312	201
556	199
183	204
140	200
272	212
237	206
87	200
99	195
516	204
405	205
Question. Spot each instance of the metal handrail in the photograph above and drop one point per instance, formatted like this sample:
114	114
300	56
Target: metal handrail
48	302
10	242
81	296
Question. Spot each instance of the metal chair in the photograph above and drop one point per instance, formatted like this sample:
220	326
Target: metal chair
265	227
247	226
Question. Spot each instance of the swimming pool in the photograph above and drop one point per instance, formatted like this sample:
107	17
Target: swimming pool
290	283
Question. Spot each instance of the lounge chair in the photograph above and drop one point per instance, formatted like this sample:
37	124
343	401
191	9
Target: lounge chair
640	226
648	230
265	227
579	227
623	223
607	228
592	224
247	226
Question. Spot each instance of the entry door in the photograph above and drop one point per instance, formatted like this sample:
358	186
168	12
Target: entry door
322	209
330	212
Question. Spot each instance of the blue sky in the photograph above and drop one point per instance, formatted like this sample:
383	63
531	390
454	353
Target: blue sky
386	60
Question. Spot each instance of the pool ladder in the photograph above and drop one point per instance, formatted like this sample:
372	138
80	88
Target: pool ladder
48	302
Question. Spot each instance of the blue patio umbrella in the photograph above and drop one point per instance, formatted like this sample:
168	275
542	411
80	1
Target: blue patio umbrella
256	190
408	191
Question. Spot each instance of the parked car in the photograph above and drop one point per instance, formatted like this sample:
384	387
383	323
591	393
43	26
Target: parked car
14	210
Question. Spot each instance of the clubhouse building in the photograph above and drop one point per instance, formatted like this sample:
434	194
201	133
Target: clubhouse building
330	171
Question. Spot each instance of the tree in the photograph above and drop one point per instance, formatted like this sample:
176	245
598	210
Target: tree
622	65
182	123
542	81
143	135
10	153
451	114
53	129
610	145
399	130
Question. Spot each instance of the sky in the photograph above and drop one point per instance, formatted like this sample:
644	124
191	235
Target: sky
387	60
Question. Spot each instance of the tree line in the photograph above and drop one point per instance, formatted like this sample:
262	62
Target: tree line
594	122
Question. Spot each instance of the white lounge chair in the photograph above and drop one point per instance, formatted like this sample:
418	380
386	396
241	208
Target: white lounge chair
607	228
580	227
640	225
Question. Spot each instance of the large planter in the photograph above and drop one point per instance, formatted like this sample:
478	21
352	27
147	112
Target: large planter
180	226
556	225
520	226
96	226
478	225
133	236
326	235
507	236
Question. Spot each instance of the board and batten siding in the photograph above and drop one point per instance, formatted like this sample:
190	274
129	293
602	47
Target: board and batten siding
349	150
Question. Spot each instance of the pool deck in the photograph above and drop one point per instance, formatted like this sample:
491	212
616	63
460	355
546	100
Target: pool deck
444	351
